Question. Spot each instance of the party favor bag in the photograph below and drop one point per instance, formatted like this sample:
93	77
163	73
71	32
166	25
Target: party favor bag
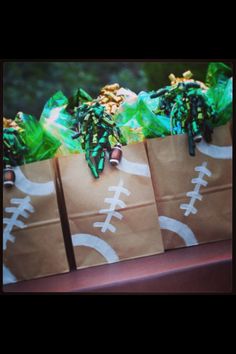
112	218
33	244
193	194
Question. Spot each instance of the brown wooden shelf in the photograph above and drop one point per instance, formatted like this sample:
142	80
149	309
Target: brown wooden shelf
202	268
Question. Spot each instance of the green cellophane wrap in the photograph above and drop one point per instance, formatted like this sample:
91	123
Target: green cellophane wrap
220	92
40	144
78	98
137	120
59	122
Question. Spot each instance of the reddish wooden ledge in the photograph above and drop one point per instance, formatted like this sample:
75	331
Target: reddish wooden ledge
202	268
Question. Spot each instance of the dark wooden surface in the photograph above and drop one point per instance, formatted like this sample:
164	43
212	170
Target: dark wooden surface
202	268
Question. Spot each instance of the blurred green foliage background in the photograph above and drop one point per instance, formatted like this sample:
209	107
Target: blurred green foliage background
28	85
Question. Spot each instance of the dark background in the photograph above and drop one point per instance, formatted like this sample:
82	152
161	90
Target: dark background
28	85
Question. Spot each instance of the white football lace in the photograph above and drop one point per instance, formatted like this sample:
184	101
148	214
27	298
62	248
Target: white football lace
195	195
21	210
114	202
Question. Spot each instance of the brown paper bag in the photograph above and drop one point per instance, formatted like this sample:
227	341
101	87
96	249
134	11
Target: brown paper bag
33	244
112	218
193	194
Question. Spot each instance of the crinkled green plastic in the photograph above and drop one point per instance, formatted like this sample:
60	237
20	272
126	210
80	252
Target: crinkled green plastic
141	111
59	122
217	72
78	98
40	144
82	96
132	135
221	91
